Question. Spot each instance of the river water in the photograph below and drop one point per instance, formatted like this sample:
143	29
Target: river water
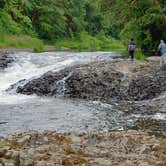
22	113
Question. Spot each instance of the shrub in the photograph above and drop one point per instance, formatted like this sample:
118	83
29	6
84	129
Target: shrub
140	55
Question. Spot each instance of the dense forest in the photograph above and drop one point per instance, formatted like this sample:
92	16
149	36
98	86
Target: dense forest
84	23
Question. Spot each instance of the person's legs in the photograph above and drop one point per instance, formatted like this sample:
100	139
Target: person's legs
163	61
131	54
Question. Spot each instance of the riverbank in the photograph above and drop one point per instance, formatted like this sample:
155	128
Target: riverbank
89	149
132	88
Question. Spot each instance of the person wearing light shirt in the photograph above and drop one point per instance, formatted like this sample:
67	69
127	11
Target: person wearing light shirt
162	49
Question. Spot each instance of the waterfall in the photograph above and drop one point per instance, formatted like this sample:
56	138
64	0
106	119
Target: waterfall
28	66
20	112
61	86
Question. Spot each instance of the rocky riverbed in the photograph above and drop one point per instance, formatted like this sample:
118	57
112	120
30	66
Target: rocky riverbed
102	81
132	87
136	88
123	148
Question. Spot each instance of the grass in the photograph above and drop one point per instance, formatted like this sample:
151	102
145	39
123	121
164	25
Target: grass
139	55
21	41
85	42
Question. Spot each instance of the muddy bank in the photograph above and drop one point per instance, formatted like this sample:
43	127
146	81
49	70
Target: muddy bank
107	148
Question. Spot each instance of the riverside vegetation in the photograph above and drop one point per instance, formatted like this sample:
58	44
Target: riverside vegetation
82	25
134	88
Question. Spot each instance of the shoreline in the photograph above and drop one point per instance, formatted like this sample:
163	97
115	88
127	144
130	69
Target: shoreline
114	148
102	148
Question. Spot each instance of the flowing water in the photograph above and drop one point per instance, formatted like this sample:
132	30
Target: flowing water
21	113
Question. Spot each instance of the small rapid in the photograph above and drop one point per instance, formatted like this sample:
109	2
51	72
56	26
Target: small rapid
28	66
20	112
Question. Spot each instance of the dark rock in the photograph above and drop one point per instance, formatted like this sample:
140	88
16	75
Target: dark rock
5	59
147	86
99	81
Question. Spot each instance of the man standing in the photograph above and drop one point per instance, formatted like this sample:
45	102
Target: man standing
131	49
162	49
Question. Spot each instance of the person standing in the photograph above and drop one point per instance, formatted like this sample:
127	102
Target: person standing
162	49
131	49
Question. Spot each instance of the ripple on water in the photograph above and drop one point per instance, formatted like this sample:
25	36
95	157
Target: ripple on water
60	115
22	113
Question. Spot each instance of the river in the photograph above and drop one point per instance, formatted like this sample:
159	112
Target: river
22	113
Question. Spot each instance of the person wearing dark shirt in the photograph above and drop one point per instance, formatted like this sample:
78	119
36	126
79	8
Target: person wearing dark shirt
131	49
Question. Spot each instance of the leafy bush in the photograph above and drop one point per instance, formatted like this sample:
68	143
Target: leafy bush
140	55
88	43
7	23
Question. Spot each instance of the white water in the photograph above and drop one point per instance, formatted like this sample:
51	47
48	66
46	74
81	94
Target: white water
31	65
21	113
61	86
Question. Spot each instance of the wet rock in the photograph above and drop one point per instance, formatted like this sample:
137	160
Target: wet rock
96	82
5	59
100	81
134	88
147	85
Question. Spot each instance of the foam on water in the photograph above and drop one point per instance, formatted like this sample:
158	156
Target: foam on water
21	112
28	66
157	116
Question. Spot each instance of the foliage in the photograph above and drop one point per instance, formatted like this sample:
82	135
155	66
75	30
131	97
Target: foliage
86	24
143	20
140	55
21	41
86	42
2	4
